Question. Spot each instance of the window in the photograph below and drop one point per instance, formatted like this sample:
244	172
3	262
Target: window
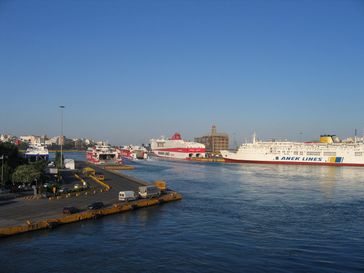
313	153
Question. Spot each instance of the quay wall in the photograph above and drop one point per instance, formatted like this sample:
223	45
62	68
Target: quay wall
89	214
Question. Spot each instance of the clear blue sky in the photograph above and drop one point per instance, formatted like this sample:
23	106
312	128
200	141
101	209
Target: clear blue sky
128	71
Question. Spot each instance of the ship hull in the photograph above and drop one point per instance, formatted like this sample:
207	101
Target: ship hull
173	155
227	160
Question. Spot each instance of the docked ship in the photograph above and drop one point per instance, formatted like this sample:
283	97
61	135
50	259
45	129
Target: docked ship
36	151
133	152
176	148
328	151
103	153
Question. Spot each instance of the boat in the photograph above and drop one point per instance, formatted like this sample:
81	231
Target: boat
103	154
330	151
133	152
176	148
36	151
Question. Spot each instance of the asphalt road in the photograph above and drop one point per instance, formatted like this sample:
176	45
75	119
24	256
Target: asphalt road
18	211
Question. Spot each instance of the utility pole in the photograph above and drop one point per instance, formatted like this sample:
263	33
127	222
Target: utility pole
61	107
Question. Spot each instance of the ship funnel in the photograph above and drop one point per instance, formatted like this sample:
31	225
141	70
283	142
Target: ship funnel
327	138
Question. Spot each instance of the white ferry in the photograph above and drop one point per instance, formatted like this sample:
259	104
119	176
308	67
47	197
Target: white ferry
37	151
176	148
329	151
103	153
134	152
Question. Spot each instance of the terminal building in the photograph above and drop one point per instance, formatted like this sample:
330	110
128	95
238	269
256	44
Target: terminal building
214	142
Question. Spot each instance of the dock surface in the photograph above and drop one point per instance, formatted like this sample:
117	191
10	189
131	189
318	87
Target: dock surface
19	211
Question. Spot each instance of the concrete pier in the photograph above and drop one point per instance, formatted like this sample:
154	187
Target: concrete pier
23	215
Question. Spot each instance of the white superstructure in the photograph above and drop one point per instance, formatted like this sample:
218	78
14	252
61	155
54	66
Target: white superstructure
103	153
329	151
37	151
176	148
134	152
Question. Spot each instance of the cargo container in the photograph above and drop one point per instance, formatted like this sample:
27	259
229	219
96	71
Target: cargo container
149	191
127	196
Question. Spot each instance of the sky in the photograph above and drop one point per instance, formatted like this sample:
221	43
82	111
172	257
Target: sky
128	71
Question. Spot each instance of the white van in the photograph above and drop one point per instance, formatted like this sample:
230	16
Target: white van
127	196
149	191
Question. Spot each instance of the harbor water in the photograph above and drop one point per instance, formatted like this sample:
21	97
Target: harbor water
233	218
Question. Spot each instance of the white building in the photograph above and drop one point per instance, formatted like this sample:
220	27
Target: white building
5	137
31	139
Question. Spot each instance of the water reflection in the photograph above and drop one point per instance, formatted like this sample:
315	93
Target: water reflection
232	217
308	177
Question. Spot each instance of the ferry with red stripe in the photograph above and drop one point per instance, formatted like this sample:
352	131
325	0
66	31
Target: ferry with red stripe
176	148
330	151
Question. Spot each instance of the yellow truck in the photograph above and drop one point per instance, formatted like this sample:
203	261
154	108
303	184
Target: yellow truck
88	171
162	185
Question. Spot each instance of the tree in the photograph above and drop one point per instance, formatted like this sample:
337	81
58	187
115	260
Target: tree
40	165
11	152
11	159
26	174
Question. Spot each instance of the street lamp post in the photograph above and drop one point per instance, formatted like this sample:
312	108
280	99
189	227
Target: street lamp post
61	107
2	169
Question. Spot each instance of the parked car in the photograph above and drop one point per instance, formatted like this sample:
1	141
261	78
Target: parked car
4	190
63	190
51	164
149	191
70	210
127	196
96	205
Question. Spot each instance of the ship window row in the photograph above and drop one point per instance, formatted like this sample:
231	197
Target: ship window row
163	153
309	153
313	153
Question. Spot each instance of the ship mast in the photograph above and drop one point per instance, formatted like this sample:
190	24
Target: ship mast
254	137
